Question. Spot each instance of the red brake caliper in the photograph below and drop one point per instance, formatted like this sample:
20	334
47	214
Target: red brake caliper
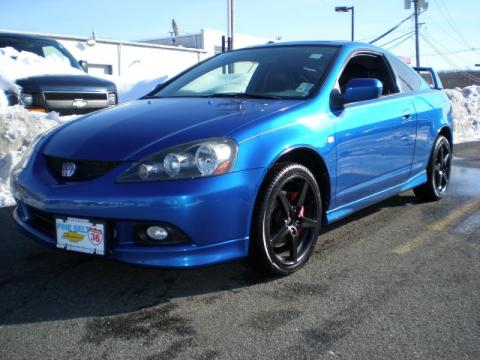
292	197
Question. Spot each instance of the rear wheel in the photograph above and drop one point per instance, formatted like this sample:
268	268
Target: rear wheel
438	172
287	220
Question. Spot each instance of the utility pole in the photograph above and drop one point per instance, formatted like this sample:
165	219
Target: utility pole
230	23
417	44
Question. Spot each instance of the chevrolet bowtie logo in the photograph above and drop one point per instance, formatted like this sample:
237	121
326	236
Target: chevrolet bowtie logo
79	103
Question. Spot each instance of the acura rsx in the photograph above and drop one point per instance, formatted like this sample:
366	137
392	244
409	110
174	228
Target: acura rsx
245	155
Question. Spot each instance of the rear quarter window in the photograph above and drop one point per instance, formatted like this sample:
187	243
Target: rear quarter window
408	79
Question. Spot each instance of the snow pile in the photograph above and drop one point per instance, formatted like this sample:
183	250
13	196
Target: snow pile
140	78
466	112
133	87
18	127
16	65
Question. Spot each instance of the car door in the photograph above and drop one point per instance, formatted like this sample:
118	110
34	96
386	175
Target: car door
375	139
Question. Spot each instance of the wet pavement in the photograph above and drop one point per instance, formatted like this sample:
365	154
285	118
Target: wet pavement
399	280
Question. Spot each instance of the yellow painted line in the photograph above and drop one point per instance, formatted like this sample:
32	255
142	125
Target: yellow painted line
437	227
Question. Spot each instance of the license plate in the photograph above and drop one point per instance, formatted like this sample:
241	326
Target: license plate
80	235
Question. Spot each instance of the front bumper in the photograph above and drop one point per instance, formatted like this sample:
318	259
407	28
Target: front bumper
214	213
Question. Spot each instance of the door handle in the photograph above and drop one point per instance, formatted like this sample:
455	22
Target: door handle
406	117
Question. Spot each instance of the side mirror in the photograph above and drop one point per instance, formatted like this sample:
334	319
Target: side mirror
361	89
84	65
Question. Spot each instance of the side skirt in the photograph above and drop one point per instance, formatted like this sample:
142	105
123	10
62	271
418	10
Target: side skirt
347	209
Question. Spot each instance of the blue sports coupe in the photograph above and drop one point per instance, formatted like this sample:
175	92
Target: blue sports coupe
247	154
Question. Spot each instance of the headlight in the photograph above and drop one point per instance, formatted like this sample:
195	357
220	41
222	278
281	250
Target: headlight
196	159
26	99
112	98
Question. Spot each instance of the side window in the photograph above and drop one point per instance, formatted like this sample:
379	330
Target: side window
408	79
369	66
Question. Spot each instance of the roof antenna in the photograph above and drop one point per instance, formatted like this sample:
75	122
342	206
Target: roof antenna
176	32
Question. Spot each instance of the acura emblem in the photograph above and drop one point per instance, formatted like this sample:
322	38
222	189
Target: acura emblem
79	103
68	169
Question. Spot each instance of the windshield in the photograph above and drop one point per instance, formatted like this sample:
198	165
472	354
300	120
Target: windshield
48	49
283	72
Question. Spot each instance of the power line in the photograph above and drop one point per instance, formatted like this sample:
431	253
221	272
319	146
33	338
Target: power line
430	41
455	51
446	15
392	29
397	38
401	42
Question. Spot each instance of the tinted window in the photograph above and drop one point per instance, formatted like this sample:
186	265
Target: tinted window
368	66
408	79
290	72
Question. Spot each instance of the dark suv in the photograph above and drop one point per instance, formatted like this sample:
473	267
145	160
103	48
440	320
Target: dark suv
66	94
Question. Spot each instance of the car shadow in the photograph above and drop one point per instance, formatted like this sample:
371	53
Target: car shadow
42	284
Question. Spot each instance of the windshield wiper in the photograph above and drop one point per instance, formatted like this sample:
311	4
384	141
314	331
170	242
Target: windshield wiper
151	97
244	95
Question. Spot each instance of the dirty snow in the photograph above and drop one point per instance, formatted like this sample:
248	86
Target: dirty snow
466	112
18	127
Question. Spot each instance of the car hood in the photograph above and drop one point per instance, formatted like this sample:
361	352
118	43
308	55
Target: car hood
80	82
134	130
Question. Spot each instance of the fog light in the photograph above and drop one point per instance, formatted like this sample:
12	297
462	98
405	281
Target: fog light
157	233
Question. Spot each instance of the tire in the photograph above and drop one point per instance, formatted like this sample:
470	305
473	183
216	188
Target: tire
438	172
286	221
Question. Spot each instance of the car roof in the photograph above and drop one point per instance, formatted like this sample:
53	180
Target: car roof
4	34
351	45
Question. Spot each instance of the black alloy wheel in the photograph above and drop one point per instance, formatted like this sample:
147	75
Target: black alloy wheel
287	220
438	172
442	167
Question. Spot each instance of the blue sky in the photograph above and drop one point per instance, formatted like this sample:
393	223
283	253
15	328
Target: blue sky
451	27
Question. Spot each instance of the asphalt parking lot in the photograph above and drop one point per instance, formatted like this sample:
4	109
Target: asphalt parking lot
400	280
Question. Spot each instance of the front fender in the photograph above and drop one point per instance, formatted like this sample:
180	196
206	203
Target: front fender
314	131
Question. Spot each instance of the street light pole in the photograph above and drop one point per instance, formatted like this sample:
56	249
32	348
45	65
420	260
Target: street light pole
353	23
348	9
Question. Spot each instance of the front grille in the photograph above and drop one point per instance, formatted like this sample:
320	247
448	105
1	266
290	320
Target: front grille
74	95
42	221
85	169
75	102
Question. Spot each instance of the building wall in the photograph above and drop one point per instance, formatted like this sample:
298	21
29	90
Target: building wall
127	59
123	58
209	40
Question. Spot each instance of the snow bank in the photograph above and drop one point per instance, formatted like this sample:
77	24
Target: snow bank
133	87
18	127
466	112
140	78
15	65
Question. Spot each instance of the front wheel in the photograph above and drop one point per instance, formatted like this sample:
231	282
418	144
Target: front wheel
286	221
438	172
